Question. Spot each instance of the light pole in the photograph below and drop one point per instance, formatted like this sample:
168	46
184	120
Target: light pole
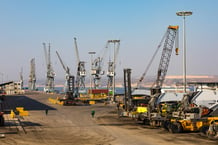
91	53
184	14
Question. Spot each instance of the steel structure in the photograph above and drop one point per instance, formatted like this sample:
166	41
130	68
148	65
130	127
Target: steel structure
49	87
127	89
69	84
21	78
97	66
164	63
81	72
32	76
97	71
112	63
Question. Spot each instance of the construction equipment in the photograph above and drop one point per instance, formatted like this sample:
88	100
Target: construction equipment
69	98
152	112
81	72
97	71
112	67
2	120
170	36
49	87
32	76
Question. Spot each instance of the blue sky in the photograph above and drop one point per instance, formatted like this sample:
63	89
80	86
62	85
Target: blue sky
139	24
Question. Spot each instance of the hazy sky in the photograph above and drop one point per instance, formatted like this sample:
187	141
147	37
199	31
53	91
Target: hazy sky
139	24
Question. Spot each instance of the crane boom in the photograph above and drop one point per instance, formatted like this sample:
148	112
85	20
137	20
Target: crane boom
77	52
163	66
166	54
150	62
61	62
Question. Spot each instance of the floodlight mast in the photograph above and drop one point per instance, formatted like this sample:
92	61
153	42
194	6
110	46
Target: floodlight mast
184	14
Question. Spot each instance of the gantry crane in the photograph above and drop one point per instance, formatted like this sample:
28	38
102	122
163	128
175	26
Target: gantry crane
81	72
69	84
32	76
49	87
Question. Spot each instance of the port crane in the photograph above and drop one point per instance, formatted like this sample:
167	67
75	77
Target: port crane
112	63
69	84
97	71
32	76
81	72
49	87
97	66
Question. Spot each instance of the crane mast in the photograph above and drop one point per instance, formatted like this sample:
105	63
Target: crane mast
49	87
112	64
81	72
170	37
166	55
32	76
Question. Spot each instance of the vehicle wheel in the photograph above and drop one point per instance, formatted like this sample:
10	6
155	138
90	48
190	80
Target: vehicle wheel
165	124
175	127
203	130
2	121
145	121
212	135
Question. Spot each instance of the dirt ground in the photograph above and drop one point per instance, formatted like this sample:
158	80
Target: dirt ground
74	125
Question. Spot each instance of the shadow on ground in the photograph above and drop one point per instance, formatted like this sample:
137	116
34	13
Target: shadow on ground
11	102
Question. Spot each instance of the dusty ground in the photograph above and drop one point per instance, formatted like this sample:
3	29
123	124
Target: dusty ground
73	125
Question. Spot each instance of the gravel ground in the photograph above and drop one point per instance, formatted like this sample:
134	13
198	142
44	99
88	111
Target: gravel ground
73	125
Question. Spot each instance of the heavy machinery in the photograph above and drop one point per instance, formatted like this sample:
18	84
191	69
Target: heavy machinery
191	117
112	63
81	73
49	87
2	120
152	113
32	76
97	71
69	98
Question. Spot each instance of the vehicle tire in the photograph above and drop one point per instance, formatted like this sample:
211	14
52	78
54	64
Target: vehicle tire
203	130
213	136
2	121
165	125
175	127
145	121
